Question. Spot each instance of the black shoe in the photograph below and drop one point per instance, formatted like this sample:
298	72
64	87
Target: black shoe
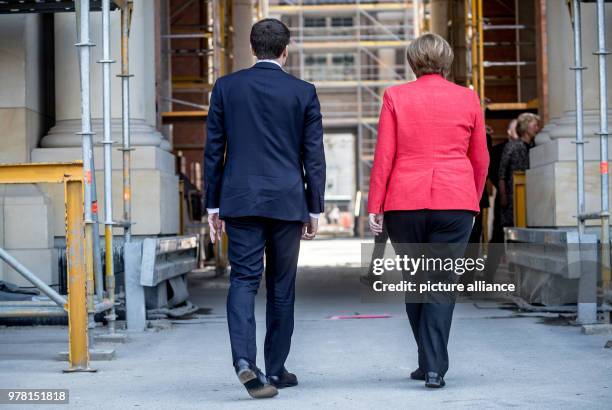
285	379
254	380
434	380
418	374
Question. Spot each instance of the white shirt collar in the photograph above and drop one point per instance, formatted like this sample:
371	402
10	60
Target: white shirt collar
269	61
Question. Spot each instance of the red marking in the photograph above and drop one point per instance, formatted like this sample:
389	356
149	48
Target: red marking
88	177
603	168
94	207
341	317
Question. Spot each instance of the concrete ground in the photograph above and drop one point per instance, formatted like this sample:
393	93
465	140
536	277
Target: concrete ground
499	359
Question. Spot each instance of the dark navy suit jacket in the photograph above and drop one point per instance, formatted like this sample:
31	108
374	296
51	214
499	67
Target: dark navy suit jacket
264	146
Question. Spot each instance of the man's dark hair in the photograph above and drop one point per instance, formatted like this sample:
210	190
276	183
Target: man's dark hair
269	37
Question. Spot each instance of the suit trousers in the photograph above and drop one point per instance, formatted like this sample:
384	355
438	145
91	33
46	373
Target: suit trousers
250	238
431	319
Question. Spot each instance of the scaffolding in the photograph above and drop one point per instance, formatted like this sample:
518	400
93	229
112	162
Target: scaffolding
500	55
351	51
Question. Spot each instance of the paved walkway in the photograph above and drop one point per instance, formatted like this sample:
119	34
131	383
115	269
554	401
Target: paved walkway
499	359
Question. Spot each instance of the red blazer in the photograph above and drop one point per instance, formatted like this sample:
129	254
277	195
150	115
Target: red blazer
431	151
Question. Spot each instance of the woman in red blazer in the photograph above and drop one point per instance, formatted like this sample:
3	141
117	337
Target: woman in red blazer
429	173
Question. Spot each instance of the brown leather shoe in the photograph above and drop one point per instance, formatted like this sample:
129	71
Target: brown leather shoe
254	381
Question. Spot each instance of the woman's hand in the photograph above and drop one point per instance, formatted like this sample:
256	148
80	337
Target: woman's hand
376	223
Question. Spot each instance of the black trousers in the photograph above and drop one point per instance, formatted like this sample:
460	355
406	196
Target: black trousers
431	320
249	239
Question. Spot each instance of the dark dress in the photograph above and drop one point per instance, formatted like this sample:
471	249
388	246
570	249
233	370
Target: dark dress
514	158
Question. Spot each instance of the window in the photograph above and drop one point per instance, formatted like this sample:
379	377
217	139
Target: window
342	21
315	59
343	59
314	22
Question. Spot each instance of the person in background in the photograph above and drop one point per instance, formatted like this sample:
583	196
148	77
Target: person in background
515	157
495	251
497	235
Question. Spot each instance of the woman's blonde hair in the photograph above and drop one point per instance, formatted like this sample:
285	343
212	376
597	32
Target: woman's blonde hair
430	54
523	121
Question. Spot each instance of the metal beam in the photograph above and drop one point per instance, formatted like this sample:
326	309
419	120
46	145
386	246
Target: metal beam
334	8
45	172
341	45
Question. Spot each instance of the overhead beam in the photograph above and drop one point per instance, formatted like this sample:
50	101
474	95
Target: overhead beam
342	45
331	8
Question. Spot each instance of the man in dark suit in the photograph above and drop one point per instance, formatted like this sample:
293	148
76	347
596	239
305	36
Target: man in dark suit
264	171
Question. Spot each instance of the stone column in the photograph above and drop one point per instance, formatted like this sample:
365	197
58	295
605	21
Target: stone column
551	179
154	183
439	17
243	19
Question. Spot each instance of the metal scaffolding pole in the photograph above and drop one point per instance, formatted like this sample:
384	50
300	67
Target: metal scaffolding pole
587	286
82	8
578	68
603	135
108	167
126	12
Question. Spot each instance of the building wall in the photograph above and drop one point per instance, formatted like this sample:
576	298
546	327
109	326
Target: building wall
23	114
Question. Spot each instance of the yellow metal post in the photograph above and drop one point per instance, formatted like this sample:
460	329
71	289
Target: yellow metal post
71	175
78	354
474	44
519	199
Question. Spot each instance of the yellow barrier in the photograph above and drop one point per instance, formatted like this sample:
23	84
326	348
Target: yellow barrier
71	175
520	199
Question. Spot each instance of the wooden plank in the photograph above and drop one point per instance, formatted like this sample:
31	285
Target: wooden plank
533	104
184	114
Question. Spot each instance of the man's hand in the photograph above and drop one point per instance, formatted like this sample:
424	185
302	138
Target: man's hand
216	226
309	230
376	223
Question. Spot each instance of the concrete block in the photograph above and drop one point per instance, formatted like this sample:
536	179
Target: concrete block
563	149
28	226
597	329
551	193
42	262
540	196
27	215
111	338
13	147
95	355
136	314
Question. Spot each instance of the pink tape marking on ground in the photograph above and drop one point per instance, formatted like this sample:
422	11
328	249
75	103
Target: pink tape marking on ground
341	317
